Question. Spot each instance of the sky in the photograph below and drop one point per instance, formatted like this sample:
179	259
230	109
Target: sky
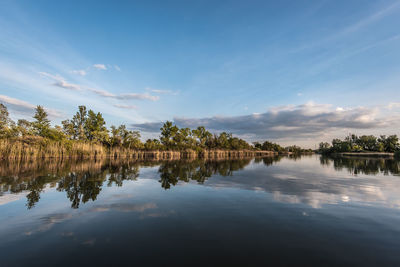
293	72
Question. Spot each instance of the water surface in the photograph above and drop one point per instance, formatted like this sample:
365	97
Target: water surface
279	211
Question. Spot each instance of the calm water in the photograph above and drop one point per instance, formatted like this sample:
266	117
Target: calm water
254	212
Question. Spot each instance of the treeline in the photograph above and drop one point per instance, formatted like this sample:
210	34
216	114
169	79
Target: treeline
87	127
365	143
269	146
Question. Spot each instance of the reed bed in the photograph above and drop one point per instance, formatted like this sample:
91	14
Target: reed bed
37	147
33	147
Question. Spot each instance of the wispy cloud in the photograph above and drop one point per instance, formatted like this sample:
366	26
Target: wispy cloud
25	108
117	68
100	66
125	106
372	18
59	81
79	72
137	96
163	92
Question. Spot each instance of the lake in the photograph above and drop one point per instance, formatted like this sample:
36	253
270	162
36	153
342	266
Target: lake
278	211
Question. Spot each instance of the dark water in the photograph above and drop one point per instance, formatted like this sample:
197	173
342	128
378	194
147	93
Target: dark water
308	211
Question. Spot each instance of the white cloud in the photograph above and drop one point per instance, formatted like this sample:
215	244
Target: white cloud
25	108
125	106
59	81
16	102
117	68
79	72
163	92
393	105
100	66
102	93
65	85
137	96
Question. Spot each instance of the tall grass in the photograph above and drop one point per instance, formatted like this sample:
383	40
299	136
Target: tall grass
34	147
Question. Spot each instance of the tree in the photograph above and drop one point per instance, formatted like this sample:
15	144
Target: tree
367	142
94	127
24	127
257	145
324	146
223	140
115	139
41	125
202	135
69	129
168	132
152	144
390	143
340	146
182	138
78	122
130	139
4	121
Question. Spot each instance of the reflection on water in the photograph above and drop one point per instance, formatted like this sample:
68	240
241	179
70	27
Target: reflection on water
277	211
360	165
83	181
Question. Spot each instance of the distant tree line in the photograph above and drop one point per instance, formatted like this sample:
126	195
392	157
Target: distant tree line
89	126
364	143
269	146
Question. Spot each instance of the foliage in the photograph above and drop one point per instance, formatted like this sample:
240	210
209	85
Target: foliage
41	125
367	143
269	146
5	122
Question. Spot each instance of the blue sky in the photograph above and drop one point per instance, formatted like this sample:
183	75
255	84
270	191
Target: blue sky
289	71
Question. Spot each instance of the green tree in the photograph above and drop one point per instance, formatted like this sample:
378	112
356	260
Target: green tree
182	138
130	139
69	129
223	140
390	143
4	121
367	142
153	144
115	138
202	135
78	122
24	127
94	127
168	132
41	125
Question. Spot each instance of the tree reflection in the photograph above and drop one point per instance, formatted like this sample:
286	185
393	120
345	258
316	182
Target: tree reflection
82	181
359	165
198	170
